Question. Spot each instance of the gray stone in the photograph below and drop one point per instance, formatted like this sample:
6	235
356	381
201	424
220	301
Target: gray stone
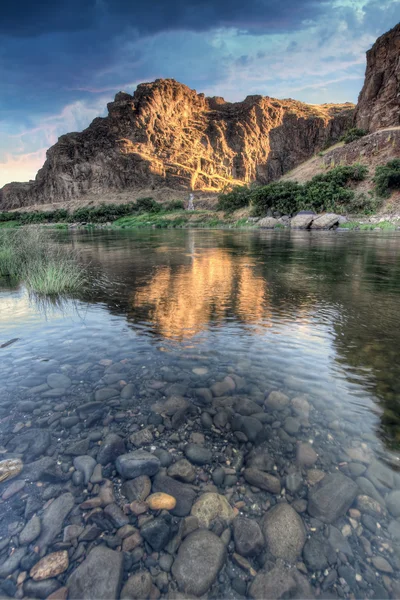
280	582
53	518
294	482
198	455
116	516
157	533
40	589
128	391
302	221
248	537
200	558
325	221
380	475
382	564
58	381
393	503
338	542
137	489
11	563
137	463
276	401
78	448
31	531
262	480
31	443
99	577
306	455
394	530
332	497
183	471
368	488
210	507
268	222
250	426
86	465
314	553
183	493
291	425
284	532
112	447
138	586
105	394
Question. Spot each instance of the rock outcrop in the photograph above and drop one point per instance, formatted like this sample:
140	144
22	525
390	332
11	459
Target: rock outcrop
379	100
166	135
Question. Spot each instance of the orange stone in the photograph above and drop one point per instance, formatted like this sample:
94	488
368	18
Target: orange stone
50	566
160	501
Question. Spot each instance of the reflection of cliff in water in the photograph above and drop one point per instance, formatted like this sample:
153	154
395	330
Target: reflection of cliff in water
180	283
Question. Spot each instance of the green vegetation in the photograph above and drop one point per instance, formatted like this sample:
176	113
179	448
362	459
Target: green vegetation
45	267
353	134
355	225
104	213
324	192
387	178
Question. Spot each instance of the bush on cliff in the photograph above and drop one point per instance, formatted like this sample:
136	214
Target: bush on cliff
353	134
387	178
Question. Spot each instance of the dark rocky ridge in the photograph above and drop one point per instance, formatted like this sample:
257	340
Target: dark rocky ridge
167	135
379	101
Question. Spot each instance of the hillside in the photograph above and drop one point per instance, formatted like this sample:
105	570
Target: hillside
166	136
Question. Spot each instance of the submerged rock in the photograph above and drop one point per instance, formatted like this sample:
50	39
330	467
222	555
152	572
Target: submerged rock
332	497
200	558
99	577
50	566
212	506
248	537
9	468
137	463
284	532
53	518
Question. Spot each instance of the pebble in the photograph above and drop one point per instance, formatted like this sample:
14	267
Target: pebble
160	501
210	507
9	468
50	566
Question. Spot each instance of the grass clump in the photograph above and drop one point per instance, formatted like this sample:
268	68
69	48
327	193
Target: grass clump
353	134
325	192
387	178
45	267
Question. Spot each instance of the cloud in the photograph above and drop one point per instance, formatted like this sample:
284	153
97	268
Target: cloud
24	18
21	167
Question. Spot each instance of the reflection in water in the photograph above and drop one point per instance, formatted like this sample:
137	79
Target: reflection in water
332	298
182	302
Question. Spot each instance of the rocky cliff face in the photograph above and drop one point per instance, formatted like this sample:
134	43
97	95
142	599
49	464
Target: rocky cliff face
379	100
167	135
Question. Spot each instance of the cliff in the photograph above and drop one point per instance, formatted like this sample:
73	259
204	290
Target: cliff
166	135
379	100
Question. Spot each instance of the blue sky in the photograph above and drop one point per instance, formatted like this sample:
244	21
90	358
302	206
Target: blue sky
60	63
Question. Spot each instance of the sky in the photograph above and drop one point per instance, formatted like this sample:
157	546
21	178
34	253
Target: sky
61	62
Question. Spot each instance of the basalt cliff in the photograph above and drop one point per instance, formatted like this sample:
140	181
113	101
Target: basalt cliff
379	101
166	135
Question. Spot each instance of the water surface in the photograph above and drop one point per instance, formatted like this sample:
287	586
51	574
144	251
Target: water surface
313	315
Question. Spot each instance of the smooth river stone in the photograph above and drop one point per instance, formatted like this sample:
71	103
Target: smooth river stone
284	532
58	381
137	463
99	577
200	558
50	566
332	497
53	518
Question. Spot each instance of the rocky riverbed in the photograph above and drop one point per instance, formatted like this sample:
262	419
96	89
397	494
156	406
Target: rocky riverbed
131	479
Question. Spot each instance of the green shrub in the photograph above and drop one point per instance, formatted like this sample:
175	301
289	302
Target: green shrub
326	191
387	178
238	197
355	133
282	196
174	205
147	205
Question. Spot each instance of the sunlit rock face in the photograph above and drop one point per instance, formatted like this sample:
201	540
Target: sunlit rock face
169	136
379	100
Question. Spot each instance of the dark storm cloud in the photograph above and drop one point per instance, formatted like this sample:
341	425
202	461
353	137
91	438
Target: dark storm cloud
25	18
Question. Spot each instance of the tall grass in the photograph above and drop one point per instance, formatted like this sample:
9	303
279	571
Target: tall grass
47	268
